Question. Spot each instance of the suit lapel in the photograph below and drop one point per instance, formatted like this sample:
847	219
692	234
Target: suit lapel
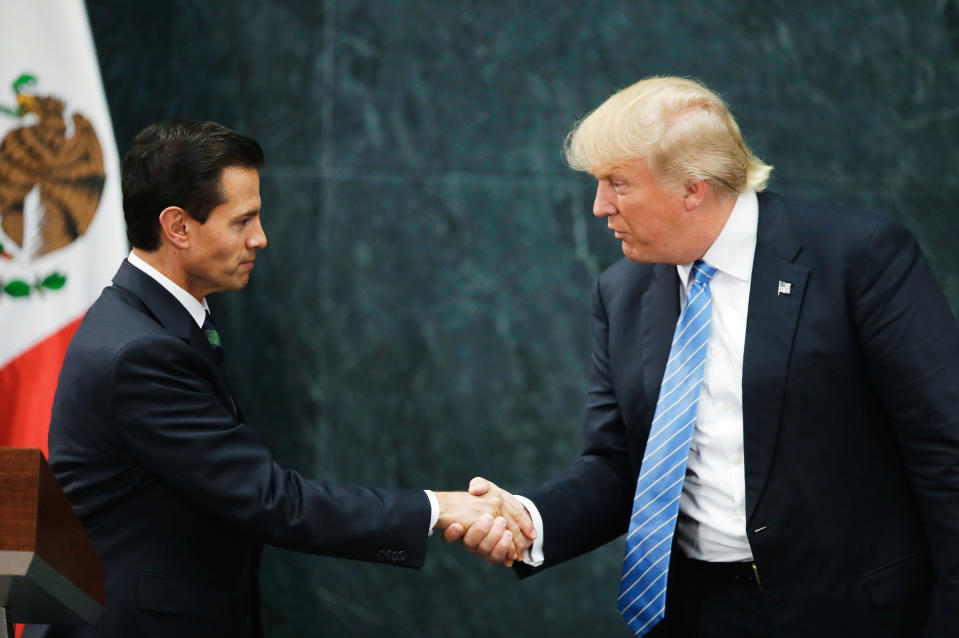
770	328
658	314
201	346
171	314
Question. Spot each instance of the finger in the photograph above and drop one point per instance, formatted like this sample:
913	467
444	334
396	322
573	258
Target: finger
512	524
523	520
454	532
520	545
502	549
479	486
478	531
493	537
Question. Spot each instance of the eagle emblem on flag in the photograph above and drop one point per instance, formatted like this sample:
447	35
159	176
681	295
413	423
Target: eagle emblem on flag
51	181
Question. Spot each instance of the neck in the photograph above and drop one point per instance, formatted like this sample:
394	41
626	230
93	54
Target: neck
168	263
712	215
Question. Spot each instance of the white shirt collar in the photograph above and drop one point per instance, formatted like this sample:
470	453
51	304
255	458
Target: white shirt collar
733	251
197	309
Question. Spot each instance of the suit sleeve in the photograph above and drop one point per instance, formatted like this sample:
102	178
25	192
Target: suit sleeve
910	343
174	424
589	504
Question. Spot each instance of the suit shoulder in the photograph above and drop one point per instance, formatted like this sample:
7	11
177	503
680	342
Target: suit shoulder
821	223
114	321
624	272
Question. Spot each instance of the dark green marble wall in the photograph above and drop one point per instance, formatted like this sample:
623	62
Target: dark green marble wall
420	315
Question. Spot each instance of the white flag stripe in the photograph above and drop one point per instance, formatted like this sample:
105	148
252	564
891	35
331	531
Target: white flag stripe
51	41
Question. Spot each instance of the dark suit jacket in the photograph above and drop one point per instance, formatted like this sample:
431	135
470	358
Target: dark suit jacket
176	492
850	424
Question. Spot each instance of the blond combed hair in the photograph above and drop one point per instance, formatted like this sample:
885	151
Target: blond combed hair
683	130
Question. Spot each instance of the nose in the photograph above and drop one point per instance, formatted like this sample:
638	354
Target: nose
257	239
603	204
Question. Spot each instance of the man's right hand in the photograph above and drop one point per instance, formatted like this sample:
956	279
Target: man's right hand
489	520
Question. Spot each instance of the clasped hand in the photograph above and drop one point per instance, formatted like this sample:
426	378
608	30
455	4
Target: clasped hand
491	522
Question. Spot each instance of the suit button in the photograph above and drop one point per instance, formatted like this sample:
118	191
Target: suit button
382	554
397	555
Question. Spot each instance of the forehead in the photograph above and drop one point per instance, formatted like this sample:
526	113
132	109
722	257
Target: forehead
624	168
635	172
239	193
239	182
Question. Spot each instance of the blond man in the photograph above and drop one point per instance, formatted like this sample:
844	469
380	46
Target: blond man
793	472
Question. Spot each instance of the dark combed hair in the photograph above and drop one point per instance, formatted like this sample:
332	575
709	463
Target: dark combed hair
179	163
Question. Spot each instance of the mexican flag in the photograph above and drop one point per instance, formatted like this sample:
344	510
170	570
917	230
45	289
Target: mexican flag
61	222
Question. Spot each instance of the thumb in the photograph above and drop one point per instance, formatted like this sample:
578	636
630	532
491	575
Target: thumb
479	486
453	533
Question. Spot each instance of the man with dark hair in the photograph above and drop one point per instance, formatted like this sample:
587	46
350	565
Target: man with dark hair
179	160
176	492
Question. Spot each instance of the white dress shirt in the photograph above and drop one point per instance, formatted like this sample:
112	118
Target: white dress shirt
198	310
712	508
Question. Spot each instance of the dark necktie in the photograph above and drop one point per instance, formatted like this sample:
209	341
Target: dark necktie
209	331
642	597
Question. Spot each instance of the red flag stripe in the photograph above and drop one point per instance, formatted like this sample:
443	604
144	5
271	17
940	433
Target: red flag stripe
28	383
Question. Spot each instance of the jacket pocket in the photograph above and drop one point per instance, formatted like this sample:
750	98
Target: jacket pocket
898	579
172	595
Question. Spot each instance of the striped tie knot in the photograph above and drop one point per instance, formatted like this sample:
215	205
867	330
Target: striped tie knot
702	272
642	597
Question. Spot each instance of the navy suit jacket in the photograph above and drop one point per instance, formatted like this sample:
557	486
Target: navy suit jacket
850	424
176	492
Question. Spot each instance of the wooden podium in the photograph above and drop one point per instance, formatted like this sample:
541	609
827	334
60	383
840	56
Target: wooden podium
49	571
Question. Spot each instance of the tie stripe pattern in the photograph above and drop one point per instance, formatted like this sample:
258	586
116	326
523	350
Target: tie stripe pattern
642	589
212	336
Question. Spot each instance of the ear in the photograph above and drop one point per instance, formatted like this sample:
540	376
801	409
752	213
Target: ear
695	194
173	226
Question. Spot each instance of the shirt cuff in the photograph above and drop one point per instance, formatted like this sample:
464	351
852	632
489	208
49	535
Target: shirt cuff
534	555
434	511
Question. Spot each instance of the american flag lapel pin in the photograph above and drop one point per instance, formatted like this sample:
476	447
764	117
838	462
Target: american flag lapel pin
785	288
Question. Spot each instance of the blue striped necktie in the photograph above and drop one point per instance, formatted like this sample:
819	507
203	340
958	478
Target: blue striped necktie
642	589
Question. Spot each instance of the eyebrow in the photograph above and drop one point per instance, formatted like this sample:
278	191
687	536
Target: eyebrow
609	172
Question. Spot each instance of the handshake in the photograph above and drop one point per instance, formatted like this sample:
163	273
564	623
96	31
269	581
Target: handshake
491	522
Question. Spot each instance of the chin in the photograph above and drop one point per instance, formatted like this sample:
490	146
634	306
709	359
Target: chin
634	255
235	285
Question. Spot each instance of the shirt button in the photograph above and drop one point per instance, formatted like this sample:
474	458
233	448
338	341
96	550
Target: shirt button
737	458
725	407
